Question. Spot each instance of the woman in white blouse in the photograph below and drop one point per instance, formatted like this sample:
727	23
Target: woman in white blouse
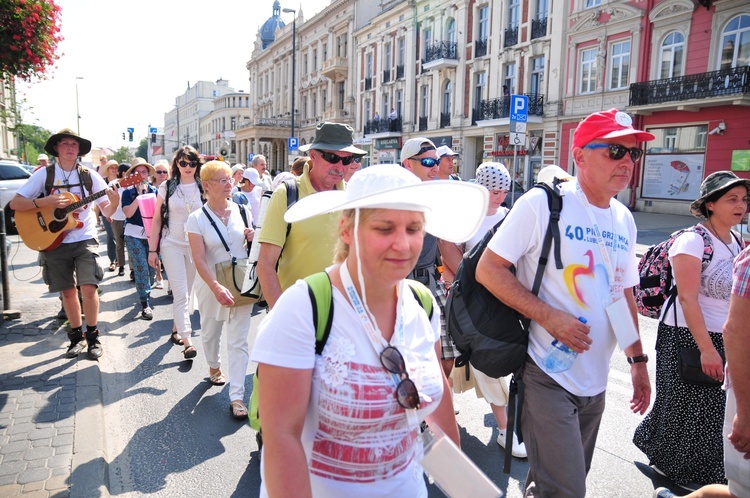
177	198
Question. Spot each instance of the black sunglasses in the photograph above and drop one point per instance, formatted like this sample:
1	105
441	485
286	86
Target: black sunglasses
358	160
332	158
617	151
184	164
159	172
427	162
406	391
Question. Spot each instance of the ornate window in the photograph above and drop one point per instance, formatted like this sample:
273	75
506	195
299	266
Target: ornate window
619	66
587	71
671	55
735	43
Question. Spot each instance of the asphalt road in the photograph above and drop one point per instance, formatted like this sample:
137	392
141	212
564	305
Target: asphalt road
169	432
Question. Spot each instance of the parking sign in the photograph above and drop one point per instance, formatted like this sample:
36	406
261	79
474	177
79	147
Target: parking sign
519	113
293	143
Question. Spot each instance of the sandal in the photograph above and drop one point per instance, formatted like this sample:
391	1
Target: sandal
176	339
189	352
216	378
112	266
238	409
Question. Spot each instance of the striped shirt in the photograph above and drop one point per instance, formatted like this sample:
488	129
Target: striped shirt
741	280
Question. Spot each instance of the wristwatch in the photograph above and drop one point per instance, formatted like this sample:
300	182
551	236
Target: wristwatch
638	359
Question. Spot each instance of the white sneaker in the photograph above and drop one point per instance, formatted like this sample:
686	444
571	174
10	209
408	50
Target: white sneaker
519	449
157	285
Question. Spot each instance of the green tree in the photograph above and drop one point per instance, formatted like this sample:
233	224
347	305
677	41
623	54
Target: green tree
142	150
122	155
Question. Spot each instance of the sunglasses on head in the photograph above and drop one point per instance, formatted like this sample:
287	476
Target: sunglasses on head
406	391
332	158
617	151
184	164
427	162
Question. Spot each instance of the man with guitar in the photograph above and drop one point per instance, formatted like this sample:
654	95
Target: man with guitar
70	257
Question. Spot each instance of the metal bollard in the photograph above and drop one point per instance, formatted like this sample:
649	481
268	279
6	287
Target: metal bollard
4	262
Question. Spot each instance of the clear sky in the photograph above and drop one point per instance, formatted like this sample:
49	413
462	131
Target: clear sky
137	56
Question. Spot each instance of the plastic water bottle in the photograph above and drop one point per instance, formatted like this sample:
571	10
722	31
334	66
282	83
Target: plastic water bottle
560	357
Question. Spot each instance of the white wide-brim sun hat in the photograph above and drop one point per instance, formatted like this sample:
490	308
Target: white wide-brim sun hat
453	210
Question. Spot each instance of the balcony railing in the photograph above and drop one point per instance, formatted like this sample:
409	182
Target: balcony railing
368	83
386	75
538	28
695	86
383	126
511	36
399	72
480	47
500	108
441	50
423	123
445	119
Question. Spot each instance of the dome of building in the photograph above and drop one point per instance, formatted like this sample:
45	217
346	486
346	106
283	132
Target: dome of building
268	30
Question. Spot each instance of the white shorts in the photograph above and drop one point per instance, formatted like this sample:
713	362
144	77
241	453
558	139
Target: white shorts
495	391
736	467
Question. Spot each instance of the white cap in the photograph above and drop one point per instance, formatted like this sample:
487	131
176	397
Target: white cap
238	167
252	175
549	173
444	150
412	147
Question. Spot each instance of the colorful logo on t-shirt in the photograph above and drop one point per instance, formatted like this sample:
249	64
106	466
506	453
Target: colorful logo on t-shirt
581	280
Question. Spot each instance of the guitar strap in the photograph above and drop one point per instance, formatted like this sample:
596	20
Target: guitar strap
84	176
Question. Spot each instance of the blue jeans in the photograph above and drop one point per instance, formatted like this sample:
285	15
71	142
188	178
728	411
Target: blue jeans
144	274
111	244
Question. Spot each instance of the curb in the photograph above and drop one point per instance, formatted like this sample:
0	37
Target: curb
90	467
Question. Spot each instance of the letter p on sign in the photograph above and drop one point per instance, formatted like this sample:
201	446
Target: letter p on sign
519	108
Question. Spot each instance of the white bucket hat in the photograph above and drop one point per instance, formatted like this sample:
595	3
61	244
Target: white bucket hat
453	210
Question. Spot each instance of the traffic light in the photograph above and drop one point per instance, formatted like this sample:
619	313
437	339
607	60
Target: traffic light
130	136
123	136
153	138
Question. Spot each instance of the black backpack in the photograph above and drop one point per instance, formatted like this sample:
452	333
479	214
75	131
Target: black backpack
487	333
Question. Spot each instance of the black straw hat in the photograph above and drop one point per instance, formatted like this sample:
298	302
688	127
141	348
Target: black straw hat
84	146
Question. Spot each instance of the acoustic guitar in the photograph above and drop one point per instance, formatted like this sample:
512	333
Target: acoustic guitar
44	228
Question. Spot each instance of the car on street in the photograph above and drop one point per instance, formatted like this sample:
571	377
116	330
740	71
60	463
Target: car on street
12	176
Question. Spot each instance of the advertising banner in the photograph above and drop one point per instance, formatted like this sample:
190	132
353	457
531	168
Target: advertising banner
672	176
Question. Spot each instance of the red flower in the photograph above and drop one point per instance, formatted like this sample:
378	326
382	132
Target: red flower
30	29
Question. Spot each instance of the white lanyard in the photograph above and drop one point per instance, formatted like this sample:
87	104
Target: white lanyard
599	239
374	333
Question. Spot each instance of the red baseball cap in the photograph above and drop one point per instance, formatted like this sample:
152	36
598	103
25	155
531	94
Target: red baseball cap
607	124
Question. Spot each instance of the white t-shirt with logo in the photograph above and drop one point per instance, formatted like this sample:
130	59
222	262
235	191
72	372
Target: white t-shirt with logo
356	437
716	281
582	287
69	182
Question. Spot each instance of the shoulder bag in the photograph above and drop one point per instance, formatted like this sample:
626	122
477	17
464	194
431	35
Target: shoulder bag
231	273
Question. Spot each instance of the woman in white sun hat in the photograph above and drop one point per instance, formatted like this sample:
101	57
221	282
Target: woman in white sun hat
345	423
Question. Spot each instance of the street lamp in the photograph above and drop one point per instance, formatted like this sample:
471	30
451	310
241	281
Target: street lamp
294	57
78	113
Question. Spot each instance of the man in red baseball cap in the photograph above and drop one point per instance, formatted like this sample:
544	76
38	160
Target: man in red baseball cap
586	307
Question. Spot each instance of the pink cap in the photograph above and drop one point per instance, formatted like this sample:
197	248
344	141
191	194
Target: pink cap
607	124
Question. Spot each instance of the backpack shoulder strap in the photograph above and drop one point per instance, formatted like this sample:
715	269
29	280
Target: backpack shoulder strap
423	295
50	181
84	175
555	203
321	296
292	196
708	246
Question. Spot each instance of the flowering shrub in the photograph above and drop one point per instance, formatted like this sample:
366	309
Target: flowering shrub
29	34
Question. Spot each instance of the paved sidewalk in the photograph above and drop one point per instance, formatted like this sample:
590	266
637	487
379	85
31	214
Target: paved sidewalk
52	440
52	434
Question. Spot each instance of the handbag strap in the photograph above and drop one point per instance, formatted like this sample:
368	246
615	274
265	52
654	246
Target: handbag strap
213	224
